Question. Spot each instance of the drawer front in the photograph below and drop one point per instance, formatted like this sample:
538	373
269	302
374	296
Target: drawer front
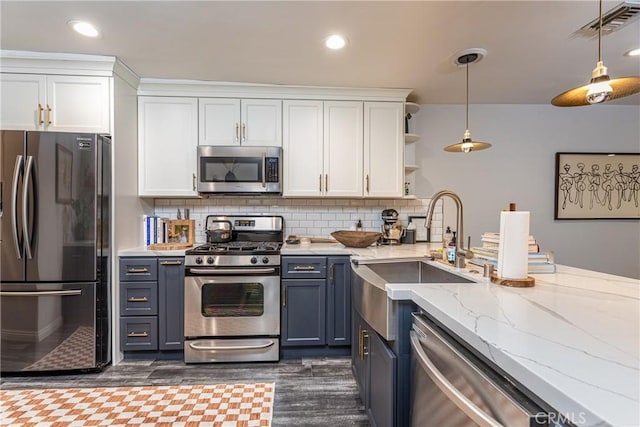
138	298
307	267
138	269
139	333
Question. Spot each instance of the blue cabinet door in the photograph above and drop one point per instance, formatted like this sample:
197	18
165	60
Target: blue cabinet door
303	312
339	301
171	303
382	382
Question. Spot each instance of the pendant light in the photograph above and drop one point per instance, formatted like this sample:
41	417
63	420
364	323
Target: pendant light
601	88
467	145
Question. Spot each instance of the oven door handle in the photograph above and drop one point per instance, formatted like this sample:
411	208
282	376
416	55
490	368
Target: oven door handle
195	346
231	271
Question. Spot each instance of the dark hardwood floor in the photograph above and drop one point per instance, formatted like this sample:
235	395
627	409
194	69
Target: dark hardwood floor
314	392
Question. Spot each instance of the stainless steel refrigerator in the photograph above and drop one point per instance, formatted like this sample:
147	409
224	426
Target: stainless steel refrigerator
55	263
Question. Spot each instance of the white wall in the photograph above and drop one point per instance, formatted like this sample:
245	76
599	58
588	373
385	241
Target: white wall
520	168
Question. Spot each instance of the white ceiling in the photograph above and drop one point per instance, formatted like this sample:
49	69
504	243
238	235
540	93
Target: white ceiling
532	54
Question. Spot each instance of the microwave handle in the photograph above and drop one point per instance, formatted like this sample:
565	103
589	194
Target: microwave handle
264	170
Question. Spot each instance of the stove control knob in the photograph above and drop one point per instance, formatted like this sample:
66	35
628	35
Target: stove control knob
265	260
210	260
253	260
199	260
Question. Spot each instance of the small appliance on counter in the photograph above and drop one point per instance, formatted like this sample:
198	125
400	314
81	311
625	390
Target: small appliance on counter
392	230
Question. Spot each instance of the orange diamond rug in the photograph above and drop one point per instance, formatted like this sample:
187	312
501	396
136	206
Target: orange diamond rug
236	405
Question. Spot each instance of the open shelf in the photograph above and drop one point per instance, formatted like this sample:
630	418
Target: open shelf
411	108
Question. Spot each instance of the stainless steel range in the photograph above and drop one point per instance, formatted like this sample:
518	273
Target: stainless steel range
232	291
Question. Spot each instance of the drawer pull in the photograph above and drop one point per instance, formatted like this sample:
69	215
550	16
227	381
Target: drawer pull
138	334
137	299
170	262
135	270
304	268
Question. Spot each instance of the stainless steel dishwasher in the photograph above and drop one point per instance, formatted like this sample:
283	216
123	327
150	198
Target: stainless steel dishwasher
451	387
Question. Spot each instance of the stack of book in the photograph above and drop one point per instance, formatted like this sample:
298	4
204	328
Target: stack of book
154	230
539	261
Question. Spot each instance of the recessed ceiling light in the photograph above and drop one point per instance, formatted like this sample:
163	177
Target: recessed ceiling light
85	28
335	41
633	52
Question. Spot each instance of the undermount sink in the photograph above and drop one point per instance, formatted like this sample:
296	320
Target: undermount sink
369	295
414	272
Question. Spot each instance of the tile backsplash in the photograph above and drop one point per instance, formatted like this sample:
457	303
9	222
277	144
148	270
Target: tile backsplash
304	217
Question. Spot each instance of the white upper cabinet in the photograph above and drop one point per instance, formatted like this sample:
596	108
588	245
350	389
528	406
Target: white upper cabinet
167	144
55	103
383	149
251	122
302	148
343	147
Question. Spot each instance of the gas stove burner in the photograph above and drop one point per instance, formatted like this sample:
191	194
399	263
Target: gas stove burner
235	247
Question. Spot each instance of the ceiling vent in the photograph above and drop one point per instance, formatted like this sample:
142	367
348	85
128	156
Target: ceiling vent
612	20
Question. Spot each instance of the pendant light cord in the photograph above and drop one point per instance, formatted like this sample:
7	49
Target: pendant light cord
600	34
467	95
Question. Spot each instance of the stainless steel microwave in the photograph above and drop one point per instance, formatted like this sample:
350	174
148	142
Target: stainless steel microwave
238	169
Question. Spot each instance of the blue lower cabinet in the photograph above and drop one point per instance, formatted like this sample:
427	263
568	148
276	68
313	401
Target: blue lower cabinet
303	312
382	369
316	303
151	303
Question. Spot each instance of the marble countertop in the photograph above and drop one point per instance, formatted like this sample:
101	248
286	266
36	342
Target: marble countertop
143	251
572	339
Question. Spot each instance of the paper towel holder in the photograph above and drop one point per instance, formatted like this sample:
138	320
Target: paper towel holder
528	282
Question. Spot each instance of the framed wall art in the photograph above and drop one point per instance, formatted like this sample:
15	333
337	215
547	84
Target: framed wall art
597	186
64	173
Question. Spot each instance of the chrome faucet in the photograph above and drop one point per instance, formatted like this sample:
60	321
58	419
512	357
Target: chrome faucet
461	252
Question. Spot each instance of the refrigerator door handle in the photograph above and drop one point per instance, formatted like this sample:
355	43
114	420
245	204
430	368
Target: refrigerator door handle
25	205
14	205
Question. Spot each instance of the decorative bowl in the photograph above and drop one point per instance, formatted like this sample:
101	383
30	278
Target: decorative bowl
356	239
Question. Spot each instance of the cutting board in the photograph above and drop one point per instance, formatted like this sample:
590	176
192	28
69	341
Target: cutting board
169	246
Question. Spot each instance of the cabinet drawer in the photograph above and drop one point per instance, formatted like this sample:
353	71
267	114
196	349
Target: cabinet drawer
139	333
138	298
138	269
312	267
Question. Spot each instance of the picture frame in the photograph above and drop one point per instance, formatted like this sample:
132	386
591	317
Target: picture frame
181	231
597	186
423	234
64	174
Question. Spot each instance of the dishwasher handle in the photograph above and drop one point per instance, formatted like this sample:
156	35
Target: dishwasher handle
455	395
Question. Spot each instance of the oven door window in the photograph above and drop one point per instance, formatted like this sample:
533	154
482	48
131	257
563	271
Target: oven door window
231	169
232	300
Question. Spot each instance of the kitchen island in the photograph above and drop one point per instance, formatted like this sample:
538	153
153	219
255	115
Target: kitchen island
573	339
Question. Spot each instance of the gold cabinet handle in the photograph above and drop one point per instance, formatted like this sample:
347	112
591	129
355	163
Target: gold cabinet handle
137	299
135	270
365	350
320	182
284	296
326	183
304	268
244	132
193	181
170	262
237	132
331	274
137	334
48	115
40	109
367	183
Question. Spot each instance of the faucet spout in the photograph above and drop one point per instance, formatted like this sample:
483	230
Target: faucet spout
461	251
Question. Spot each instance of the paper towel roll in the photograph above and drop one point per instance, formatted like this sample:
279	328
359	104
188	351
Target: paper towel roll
513	257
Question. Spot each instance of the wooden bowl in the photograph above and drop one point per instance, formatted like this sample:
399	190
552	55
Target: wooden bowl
356	239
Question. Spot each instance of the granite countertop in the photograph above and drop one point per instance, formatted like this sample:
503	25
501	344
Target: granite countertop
572	339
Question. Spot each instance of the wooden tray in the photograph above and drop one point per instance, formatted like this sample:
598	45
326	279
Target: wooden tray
515	283
169	246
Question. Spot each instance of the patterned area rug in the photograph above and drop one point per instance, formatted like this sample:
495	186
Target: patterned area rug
237	405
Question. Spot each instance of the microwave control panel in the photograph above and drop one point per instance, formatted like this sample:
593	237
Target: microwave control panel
272	173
